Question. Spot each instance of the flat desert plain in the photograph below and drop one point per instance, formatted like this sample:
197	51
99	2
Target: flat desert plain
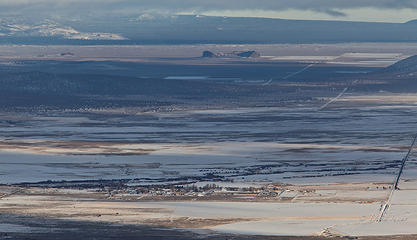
325	166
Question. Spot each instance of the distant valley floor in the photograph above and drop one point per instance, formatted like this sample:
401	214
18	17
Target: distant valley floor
306	144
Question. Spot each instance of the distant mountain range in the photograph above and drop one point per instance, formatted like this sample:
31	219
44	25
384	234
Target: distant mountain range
183	29
49	29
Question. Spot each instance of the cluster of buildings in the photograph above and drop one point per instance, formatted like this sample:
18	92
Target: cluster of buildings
191	190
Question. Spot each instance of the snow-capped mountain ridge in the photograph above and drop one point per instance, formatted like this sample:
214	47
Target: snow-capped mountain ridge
49	28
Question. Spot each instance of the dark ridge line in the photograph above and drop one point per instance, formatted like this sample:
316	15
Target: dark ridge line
403	163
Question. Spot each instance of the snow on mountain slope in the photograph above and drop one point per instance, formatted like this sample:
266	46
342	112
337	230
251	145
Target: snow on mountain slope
50	28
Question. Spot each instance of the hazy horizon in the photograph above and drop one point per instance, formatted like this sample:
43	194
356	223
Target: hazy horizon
356	10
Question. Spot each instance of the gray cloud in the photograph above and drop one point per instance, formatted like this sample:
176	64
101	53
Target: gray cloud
333	12
92	7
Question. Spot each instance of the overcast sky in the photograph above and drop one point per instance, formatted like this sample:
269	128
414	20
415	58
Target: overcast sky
356	10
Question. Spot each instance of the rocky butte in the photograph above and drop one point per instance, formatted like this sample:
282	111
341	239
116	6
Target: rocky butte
242	54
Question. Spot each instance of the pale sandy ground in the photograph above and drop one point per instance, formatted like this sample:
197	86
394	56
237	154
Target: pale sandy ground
266	216
220	149
337	210
401	216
